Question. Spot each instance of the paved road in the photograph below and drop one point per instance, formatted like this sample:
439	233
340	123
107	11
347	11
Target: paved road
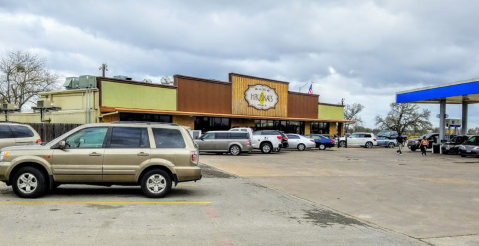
433	198
219	210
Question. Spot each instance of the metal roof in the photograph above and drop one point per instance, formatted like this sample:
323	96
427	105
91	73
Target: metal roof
453	93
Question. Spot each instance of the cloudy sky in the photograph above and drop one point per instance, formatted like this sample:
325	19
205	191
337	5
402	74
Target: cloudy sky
362	51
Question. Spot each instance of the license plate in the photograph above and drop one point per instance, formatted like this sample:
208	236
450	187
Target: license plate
468	151
447	147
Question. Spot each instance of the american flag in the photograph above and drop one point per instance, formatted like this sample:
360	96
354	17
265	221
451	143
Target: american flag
310	89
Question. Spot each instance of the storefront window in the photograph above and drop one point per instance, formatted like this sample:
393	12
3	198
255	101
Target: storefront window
285	126
212	123
320	128
145	117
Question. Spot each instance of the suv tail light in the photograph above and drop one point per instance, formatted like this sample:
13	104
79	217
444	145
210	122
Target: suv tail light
247	142
285	138
194	157
374	139
39	141
279	137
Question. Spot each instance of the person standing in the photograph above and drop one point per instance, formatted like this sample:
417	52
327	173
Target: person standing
424	143
399	141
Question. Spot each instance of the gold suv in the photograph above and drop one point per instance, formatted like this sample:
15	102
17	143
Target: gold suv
152	155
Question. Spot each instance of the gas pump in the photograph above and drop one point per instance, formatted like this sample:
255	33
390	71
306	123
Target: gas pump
452	123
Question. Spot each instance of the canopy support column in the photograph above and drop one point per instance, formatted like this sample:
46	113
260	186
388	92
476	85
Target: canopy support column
464	117
442	120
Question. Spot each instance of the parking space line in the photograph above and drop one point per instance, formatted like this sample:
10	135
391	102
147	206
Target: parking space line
187	185
118	202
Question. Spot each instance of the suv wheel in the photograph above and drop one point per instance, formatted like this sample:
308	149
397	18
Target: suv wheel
391	145
29	182
301	147
342	144
235	150
413	148
266	148
369	145
156	183
322	147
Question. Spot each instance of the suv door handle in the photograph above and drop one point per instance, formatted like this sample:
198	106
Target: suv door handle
142	154
95	154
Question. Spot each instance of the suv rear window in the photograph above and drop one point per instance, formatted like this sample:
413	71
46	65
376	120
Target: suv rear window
129	137
5	132
238	135
221	135
168	138
367	135
21	131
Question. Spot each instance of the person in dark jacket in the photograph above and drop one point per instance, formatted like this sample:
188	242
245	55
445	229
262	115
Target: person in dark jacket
400	144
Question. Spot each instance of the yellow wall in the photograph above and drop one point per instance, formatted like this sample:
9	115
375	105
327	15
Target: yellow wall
242	122
330	112
332	128
123	95
307	127
68	116
183	120
240	106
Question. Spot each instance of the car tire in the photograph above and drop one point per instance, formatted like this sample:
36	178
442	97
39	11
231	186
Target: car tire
413	148
342	144
463	155
322	147
301	147
235	150
266	148
29	182
153	180
368	145
391	145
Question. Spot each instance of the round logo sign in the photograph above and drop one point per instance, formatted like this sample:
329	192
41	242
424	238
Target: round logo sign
261	97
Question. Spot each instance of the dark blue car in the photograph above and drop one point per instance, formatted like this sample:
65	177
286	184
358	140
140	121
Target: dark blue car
322	142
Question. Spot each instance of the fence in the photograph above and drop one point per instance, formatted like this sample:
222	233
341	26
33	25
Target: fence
50	131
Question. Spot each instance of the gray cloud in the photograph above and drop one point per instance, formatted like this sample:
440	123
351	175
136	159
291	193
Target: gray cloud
374	47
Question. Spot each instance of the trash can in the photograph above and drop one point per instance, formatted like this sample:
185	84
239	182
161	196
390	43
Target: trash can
436	148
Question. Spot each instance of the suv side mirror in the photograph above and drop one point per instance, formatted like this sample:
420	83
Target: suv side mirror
62	145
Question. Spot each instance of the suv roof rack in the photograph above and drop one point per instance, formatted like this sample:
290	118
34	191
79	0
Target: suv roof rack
144	123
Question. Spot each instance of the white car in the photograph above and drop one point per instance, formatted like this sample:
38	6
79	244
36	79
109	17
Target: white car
365	139
300	142
267	141
243	129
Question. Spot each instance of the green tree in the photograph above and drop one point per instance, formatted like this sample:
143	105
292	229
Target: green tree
23	76
405	117
472	131
351	112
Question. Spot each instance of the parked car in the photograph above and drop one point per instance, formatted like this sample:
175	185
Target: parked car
388	134
233	142
152	155
12	134
321	141
365	139
267	140
470	147
300	142
386	142
452	146
413	143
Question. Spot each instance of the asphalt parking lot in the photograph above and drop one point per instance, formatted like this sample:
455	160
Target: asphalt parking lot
433	199
348	196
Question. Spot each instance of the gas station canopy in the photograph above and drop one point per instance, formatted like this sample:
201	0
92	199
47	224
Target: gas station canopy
453	93
462	92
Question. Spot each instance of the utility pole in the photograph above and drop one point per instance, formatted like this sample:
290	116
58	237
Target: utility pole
103	68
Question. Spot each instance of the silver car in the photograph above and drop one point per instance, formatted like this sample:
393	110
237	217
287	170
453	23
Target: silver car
386	142
300	142
231	142
12	134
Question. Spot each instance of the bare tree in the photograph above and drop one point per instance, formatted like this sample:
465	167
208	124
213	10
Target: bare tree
23	76
351	112
405	117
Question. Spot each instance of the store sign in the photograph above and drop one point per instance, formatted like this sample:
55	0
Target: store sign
261	97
